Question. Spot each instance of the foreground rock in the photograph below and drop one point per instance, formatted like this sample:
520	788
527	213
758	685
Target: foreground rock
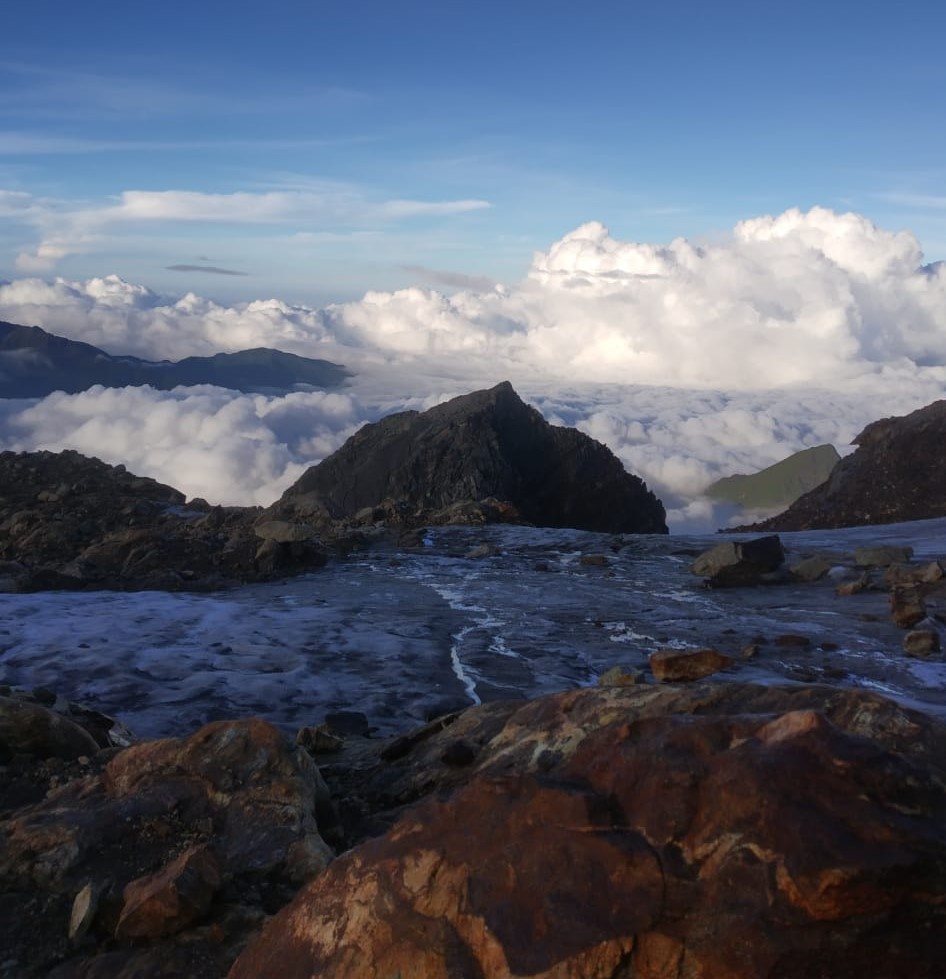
158	859
488	444
897	473
713	831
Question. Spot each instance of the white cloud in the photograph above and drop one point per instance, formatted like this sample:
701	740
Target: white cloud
691	362
226	447
68	229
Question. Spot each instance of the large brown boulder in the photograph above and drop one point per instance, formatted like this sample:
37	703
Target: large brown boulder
205	832
487	444
713	831
898	472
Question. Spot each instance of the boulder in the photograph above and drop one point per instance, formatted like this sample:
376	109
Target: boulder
737	563
881	557
488	444
167	901
649	832
921	643
687	664
187	840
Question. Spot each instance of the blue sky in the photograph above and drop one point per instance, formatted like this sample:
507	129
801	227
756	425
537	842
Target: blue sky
322	149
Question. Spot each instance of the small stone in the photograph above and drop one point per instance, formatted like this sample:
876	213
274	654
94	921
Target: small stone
881	557
921	643
750	651
319	740
593	561
906	606
847	588
811	568
84	907
620	676
166	902
483	550
687	664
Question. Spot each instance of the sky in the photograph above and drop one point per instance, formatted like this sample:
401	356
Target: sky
705	234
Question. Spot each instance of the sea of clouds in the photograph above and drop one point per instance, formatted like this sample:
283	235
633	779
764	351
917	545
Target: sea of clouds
691	361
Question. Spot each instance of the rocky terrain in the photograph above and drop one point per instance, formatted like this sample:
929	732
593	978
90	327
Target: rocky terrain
486	444
34	363
787	832
70	522
898	472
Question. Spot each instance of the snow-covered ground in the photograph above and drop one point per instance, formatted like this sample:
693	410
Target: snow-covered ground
402	635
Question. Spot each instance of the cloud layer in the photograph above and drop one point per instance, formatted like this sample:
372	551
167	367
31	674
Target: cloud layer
690	360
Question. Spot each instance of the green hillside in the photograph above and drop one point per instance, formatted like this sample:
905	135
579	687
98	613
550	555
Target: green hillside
779	485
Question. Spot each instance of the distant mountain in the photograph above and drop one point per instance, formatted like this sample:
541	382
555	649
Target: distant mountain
779	485
34	363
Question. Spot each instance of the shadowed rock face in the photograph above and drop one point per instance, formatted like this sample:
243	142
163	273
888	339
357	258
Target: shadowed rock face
897	473
722	833
485	444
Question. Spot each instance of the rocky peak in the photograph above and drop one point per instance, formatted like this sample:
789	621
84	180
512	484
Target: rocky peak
485	444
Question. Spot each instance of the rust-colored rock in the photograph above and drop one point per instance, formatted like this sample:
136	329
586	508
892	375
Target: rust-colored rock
907	606
921	643
687	664
649	832
113	837
169	900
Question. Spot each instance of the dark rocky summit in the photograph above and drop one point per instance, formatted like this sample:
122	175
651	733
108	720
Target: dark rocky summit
898	472
481	445
728	831
71	522
34	363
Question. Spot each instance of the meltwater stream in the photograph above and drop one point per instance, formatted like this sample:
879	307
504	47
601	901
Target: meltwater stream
405	634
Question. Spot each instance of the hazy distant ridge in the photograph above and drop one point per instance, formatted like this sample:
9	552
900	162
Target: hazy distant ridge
34	363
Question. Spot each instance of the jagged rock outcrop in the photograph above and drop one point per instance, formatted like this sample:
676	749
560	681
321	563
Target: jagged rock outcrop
71	522
898	472
481	445
727	832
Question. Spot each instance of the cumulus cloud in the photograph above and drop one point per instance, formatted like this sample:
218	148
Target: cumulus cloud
226	447
691	361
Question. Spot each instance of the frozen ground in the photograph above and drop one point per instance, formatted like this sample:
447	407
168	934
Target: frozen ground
402	635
